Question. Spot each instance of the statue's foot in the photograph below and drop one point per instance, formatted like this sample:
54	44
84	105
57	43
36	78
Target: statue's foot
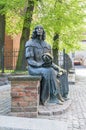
55	101
60	102
66	97
60	98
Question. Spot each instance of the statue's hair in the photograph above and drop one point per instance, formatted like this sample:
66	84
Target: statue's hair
34	34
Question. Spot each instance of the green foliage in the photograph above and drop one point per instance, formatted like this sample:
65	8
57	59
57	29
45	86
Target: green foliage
66	18
63	17
13	24
14	11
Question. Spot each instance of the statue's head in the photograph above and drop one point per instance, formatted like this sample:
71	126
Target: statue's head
38	32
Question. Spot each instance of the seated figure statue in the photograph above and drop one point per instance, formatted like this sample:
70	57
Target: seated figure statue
39	58
61	76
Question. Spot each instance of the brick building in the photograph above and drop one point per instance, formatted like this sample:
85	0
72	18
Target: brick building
11	49
80	56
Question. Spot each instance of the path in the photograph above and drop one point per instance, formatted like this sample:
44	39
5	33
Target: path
76	115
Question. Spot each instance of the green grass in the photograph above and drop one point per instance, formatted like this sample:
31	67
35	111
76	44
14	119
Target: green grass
14	72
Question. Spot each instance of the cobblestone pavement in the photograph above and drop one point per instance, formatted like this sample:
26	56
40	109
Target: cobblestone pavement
75	117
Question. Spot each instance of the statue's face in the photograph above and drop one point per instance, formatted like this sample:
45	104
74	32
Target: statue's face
39	31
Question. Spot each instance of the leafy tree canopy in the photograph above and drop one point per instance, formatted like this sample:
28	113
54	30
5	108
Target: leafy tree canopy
65	18
14	11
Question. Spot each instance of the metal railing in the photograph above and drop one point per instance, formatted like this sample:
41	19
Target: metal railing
8	60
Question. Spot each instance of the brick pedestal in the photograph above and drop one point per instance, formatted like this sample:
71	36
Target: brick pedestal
24	95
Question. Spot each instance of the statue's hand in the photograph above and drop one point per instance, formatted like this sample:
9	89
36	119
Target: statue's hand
59	74
62	70
46	64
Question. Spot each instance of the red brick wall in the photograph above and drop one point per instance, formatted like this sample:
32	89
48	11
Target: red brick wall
11	44
8	59
16	42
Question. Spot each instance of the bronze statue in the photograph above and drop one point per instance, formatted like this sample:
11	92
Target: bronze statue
39	57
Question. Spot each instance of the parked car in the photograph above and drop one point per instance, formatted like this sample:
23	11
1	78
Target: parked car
77	61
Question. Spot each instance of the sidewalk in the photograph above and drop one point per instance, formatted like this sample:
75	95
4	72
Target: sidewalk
76	114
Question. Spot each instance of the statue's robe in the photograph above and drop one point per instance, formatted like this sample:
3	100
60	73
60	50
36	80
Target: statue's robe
49	88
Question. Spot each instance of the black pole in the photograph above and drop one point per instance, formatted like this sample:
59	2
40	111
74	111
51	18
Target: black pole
2	61
64	65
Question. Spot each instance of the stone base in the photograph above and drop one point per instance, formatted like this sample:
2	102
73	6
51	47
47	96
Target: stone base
24	114
53	109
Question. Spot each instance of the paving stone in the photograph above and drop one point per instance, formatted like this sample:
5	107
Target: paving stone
5	99
76	114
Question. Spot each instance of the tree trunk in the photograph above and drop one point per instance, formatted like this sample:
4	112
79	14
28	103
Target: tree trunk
21	62
55	56
55	48
2	30
2	37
